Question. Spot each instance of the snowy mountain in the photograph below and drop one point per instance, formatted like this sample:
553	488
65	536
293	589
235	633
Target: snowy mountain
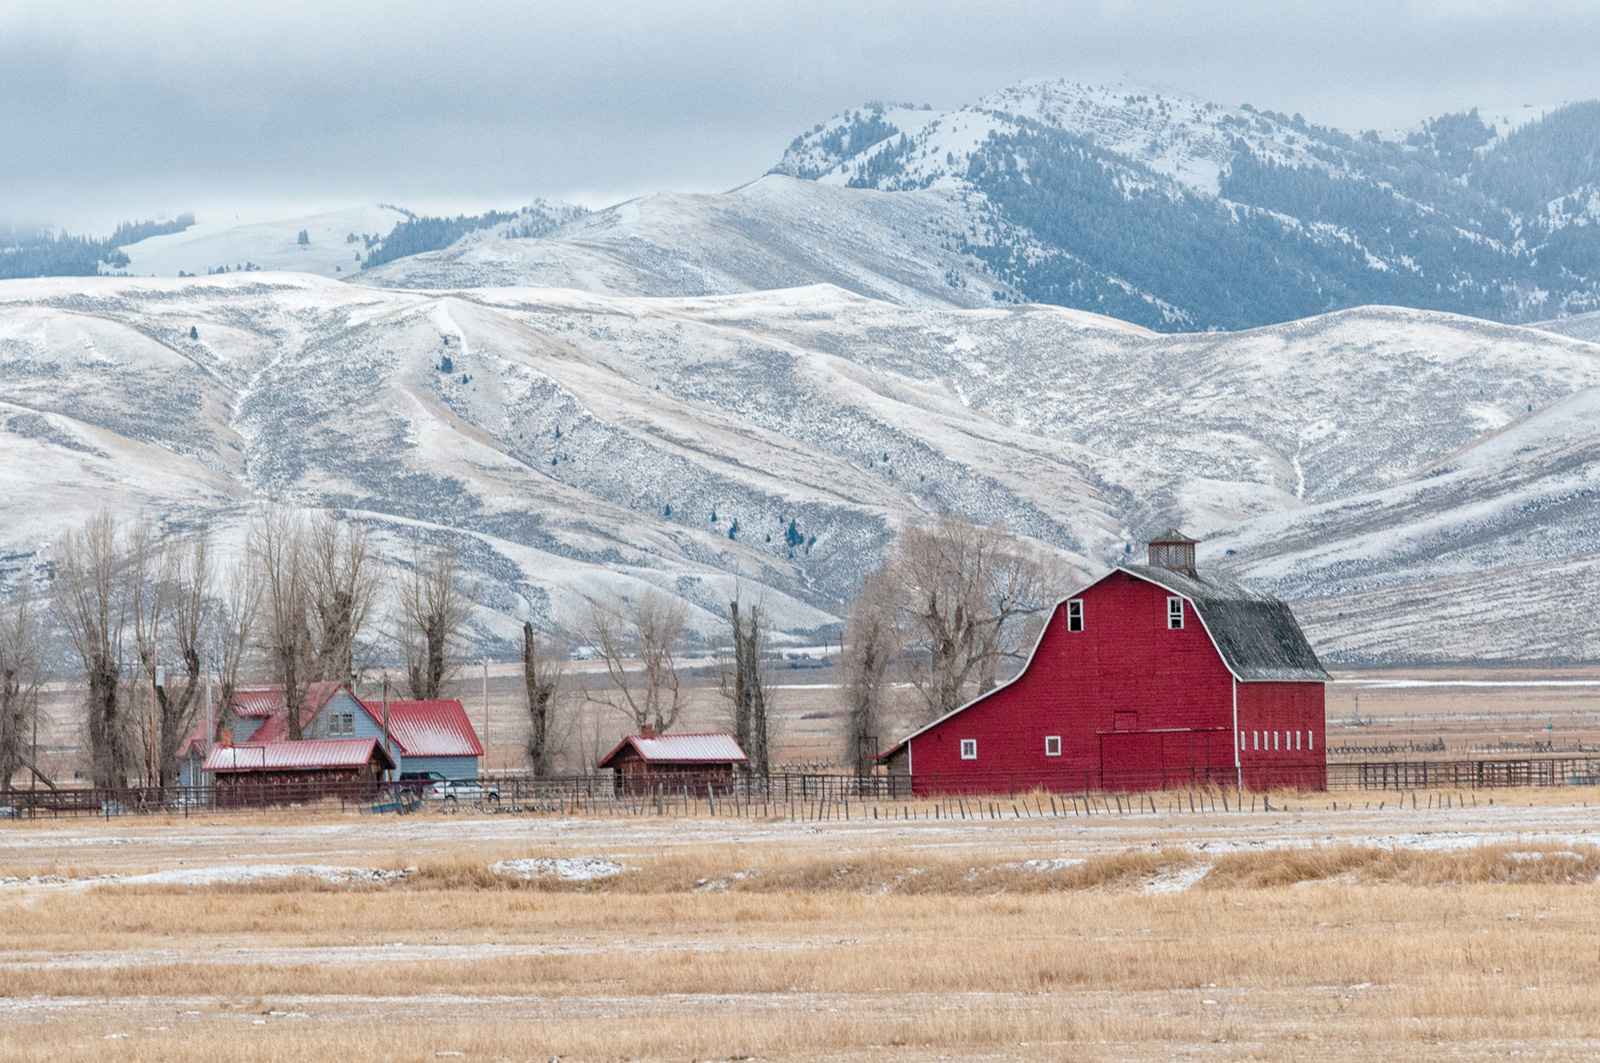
218	245
1383	466
1167	211
773	233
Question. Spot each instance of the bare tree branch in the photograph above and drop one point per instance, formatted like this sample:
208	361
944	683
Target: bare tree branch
433	611
651	633
93	603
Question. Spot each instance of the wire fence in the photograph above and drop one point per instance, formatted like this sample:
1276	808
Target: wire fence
804	795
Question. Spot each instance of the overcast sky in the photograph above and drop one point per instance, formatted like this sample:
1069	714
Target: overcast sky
112	110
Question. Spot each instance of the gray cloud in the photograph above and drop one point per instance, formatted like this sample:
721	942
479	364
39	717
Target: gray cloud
109	110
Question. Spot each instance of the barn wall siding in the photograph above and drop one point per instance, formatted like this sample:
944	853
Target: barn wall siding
1137	706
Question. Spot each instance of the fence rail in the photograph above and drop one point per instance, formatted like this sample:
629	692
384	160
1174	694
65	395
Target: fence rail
787	793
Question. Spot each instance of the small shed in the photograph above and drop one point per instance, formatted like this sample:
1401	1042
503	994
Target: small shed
699	762
281	772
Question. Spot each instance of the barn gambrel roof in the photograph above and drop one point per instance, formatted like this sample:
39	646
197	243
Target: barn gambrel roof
1257	634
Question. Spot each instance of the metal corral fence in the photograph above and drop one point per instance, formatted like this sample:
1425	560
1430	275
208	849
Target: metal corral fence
792	794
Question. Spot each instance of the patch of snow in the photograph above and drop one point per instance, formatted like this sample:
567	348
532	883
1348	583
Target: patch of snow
567	868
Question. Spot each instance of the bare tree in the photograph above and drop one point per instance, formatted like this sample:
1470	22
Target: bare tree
650	632
235	628
279	555
93	602
344	581
21	674
433	610
173	614
748	686
871	643
970	597
542	668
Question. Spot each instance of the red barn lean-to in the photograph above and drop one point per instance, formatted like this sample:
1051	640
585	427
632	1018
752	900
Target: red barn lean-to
1153	676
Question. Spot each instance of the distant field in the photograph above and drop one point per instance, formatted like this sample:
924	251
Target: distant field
1303	934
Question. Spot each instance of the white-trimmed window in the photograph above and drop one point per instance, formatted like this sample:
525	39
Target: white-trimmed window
1075	615
341	723
1274	741
1052	745
1255	738
1311	740
1174	614
969	749
1297	740
1241	739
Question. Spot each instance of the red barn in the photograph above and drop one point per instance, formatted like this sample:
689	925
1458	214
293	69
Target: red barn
1153	676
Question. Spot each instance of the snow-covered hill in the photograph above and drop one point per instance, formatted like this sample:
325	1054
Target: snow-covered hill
1164	210
218	244
584	444
773	233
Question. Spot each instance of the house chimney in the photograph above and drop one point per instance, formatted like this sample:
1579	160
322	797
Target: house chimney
648	732
1174	550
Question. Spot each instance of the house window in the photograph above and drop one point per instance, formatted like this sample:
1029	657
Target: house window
1174	614
1075	615
1052	745
341	723
969	749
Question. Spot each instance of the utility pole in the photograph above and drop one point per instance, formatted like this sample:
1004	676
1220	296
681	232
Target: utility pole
156	679
211	722
386	720
486	717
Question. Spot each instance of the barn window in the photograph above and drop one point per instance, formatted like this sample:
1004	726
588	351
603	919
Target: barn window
1274	741
969	749
1174	614
1255	739
1297	740
1311	740
1075	615
1241	739
1052	745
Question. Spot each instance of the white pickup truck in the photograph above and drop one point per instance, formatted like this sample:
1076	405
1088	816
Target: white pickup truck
461	791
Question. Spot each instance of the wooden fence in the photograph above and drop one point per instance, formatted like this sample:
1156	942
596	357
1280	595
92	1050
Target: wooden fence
791	794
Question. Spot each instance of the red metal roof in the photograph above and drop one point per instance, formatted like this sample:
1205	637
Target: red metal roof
296	756
276	727
720	747
428	728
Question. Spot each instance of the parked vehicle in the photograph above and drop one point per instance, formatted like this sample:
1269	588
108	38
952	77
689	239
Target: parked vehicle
418	781
457	791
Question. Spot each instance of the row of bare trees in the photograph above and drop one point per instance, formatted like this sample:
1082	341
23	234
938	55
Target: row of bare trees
151	620
952	609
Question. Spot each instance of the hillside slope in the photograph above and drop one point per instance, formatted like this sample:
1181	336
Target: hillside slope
585	445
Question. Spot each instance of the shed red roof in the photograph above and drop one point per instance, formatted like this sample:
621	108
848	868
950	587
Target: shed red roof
297	756
429	728
718	748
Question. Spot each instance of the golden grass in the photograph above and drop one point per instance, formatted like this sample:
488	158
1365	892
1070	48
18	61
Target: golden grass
814	943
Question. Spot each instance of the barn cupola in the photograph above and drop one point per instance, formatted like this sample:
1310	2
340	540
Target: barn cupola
1173	549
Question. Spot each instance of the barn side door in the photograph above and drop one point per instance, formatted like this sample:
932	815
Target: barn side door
1130	760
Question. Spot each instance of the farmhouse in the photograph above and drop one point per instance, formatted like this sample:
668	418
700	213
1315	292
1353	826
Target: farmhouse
699	762
423	735
1153	676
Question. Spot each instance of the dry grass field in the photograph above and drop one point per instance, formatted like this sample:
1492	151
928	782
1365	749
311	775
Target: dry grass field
1301	934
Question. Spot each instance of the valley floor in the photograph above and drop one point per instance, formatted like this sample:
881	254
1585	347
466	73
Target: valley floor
1306	933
